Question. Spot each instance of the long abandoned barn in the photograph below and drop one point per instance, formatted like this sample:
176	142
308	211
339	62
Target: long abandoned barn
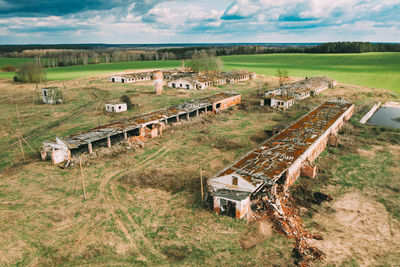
145	125
276	164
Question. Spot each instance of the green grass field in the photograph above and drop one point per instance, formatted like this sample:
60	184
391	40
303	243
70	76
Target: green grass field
380	70
11	61
74	72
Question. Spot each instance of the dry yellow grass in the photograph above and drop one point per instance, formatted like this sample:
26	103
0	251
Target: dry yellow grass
144	205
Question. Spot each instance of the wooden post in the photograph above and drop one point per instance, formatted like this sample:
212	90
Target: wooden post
64	97
197	113
19	120
125	135
22	149
201	184
108	141
90	148
187	116
83	179
76	182
177	118
37	94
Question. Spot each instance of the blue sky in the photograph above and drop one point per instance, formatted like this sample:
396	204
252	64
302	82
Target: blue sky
198	21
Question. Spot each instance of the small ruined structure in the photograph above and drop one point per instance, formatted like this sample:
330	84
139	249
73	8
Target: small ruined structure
52	95
297	91
116	107
280	101
146	125
158	81
132	77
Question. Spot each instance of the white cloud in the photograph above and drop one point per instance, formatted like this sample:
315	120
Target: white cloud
214	21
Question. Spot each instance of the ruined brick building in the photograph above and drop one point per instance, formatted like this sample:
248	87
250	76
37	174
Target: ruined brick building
276	164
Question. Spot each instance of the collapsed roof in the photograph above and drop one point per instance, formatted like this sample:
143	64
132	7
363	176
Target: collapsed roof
128	124
269	161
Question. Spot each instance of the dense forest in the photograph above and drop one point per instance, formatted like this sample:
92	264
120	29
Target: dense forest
82	54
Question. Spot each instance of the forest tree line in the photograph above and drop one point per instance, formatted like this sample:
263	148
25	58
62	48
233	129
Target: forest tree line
94	55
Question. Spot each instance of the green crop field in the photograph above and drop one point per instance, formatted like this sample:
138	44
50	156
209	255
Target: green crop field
11	61
73	72
380	70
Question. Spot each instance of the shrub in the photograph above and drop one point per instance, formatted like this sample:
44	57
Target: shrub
31	72
126	99
8	68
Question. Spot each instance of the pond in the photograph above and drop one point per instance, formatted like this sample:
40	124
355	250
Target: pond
386	116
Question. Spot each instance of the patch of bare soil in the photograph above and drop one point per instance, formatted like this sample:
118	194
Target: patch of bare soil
360	228
258	232
162	178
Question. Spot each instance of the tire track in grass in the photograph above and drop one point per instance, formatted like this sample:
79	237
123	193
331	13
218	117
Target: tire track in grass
111	206
138	234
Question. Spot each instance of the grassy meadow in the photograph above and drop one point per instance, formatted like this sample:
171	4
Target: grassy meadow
144	206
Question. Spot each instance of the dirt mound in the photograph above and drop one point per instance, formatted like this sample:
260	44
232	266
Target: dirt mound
360	228
258	232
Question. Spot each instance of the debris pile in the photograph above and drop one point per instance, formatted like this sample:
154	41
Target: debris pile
274	204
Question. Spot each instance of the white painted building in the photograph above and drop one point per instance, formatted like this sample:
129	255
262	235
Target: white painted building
116	107
188	83
131	77
282	102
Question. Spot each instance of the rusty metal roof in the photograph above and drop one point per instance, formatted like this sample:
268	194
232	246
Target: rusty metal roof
271	159
135	122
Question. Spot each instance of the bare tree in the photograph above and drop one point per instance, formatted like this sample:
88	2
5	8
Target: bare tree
126	99
30	72
203	62
283	76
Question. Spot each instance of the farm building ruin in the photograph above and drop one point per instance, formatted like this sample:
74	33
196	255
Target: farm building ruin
272	167
196	81
298	91
131	77
115	106
146	125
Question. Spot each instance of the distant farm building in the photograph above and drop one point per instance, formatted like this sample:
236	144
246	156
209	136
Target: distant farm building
131	77
314	85
284	96
195	83
200	82
116	107
280	101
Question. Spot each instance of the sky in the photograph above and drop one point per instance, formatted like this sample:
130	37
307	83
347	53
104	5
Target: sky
198	21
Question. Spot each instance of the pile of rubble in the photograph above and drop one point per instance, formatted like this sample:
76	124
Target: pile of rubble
274	204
